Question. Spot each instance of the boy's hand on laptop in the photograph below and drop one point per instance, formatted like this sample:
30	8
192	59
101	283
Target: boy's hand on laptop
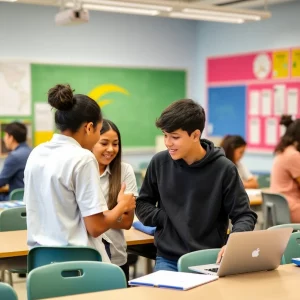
221	254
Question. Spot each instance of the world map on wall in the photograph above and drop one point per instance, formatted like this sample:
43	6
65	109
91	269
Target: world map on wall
15	91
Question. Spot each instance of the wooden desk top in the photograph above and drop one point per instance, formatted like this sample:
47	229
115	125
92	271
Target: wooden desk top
276	285
14	243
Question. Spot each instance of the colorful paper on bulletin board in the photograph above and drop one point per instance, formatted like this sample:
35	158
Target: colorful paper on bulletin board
296	62
281	64
42	137
239	67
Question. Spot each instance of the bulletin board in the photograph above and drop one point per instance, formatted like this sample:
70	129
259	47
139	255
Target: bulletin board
248	93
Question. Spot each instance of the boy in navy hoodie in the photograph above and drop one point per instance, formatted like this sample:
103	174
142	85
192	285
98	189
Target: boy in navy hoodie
191	190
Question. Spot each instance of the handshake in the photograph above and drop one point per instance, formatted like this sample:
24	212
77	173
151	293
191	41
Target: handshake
126	201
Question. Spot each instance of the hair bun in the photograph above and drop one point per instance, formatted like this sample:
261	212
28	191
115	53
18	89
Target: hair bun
286	120
61	97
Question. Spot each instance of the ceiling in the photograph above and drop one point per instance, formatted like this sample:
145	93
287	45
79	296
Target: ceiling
232	11
247	4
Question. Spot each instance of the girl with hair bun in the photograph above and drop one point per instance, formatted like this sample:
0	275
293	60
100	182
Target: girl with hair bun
285	174
64	201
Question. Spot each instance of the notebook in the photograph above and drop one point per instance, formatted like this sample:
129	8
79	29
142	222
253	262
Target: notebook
173	280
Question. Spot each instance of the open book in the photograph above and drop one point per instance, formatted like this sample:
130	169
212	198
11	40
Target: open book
173	280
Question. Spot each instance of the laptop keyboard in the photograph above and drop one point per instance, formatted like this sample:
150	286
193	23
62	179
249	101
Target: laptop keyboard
212	270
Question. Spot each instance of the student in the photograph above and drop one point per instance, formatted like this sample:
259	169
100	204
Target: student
15	135
285	174
234	147
113	172
64	201
195	187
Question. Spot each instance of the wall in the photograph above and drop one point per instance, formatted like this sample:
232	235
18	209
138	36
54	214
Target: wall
29	32
282	30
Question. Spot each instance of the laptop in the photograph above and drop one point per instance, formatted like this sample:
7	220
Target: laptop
250	251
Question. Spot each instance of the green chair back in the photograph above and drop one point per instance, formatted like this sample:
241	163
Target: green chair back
12	219
275	210
263	180
41	256
295	226
54	280
293	248
16	194
139	179
7	292
201	257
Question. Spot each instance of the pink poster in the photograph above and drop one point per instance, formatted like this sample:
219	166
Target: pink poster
272	86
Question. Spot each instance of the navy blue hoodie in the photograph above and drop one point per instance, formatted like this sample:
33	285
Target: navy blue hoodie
191	204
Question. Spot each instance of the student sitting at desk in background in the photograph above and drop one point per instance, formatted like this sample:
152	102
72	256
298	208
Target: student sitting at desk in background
114	172
197	190
64	201
12	173
285	174
234	147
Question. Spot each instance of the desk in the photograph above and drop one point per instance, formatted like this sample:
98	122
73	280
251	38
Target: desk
14	243
276	285
255	197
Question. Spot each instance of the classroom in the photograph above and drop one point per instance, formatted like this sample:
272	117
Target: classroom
135	59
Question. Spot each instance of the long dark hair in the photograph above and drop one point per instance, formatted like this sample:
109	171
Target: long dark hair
291	136
115	166
230	143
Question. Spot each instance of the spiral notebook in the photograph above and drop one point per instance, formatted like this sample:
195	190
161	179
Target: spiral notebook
173	280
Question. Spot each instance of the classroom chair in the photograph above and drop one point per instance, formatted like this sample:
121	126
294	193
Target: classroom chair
200	257
7	292
41	256
55	280
293	248
263	180
12	219
16	194
295	226
139	179
275	210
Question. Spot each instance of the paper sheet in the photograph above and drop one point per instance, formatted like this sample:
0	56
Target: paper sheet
43	117
292	104
254	131
254	103
271	131
175	280
266	103
279	99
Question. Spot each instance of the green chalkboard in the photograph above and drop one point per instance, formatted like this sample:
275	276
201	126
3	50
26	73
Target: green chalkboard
132	98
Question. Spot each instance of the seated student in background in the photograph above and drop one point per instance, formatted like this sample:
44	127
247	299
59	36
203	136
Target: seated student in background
234	147
285	174
64	201
13	169
196	188
114	172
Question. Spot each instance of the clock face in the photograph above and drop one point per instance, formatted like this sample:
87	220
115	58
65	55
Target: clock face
261	66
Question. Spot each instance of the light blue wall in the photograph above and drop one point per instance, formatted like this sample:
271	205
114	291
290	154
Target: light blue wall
29	32
282	30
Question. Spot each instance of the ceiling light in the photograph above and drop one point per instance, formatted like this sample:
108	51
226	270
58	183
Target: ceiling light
205	18
126	10
245	16
130	4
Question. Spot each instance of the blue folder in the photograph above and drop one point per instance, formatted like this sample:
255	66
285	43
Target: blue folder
147	229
